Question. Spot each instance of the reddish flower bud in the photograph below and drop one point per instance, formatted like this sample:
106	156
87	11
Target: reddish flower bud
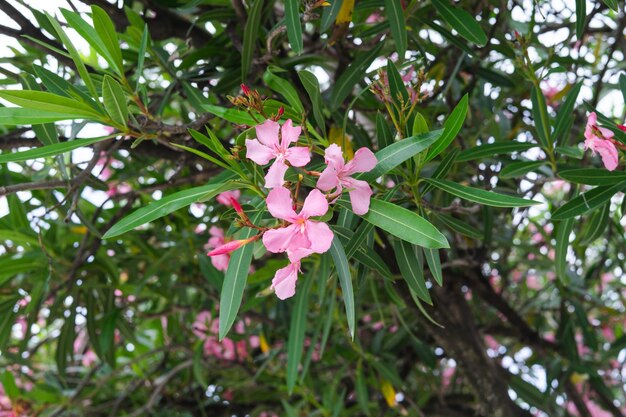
245	89
622	128
281	111
229	247
235	204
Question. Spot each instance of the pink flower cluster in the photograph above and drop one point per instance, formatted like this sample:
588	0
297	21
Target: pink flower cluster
600	140
298	234
206	328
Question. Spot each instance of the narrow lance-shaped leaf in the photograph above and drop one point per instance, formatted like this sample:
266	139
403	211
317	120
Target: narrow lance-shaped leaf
345	279
48	102
166	206
588	201
297	327
106	30
461	21
476	195
411	267
115	101
563	230
593	176
492	149
395	154
565	115
312	87
541	118
250	36
235	280
451	128
581	17
355	72
50	150
395	15
294	26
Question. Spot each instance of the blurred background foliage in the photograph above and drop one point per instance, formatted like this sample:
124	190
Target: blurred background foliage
532	308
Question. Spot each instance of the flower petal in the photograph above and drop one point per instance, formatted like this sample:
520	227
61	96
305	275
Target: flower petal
360	193
267	133
328	180
299	253
275	176
298	156
315	204
278	240
364	160
289	134
320	236
220	262
334	157
258	152
609	154
280	204
284	282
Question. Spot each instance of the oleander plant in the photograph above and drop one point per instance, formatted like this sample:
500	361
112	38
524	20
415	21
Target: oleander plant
312	208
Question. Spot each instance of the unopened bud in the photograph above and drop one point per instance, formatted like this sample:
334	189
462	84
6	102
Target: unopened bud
230	246
245	89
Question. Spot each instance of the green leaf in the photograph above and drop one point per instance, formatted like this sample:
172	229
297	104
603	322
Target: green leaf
91	36
12	116
517	169
460	226
563	230
76	57
297	327
411	267
419	125
383	132
230	114
294	26
461	21
451	128
434	264
37	100
106	31
612	4
50	150
476	195
588	201
329	14
397	88
541	118
395	154
571	151
596	226
284	88
581	16
404	224
593	176
250	36
355	248
565	116
312	87
491	149
165	206
115	101
141	54
345	279
7	318
395	15
622	85
352	75
443	168
235	280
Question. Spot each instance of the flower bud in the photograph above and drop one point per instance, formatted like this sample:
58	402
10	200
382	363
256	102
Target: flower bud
245	89
230	246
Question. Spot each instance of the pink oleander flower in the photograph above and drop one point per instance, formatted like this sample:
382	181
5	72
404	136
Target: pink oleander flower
300	239
272	145
206	329
226	198
338	175
220	262
599	139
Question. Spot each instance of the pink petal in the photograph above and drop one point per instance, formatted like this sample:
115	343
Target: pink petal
216	231
297	254
298	156
225	197
328	180
289	134
360	194
284	282
364	160
275	176
220	262
608	152
279	240
320	236
334	157
315	204
258	152
267	133
280	204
